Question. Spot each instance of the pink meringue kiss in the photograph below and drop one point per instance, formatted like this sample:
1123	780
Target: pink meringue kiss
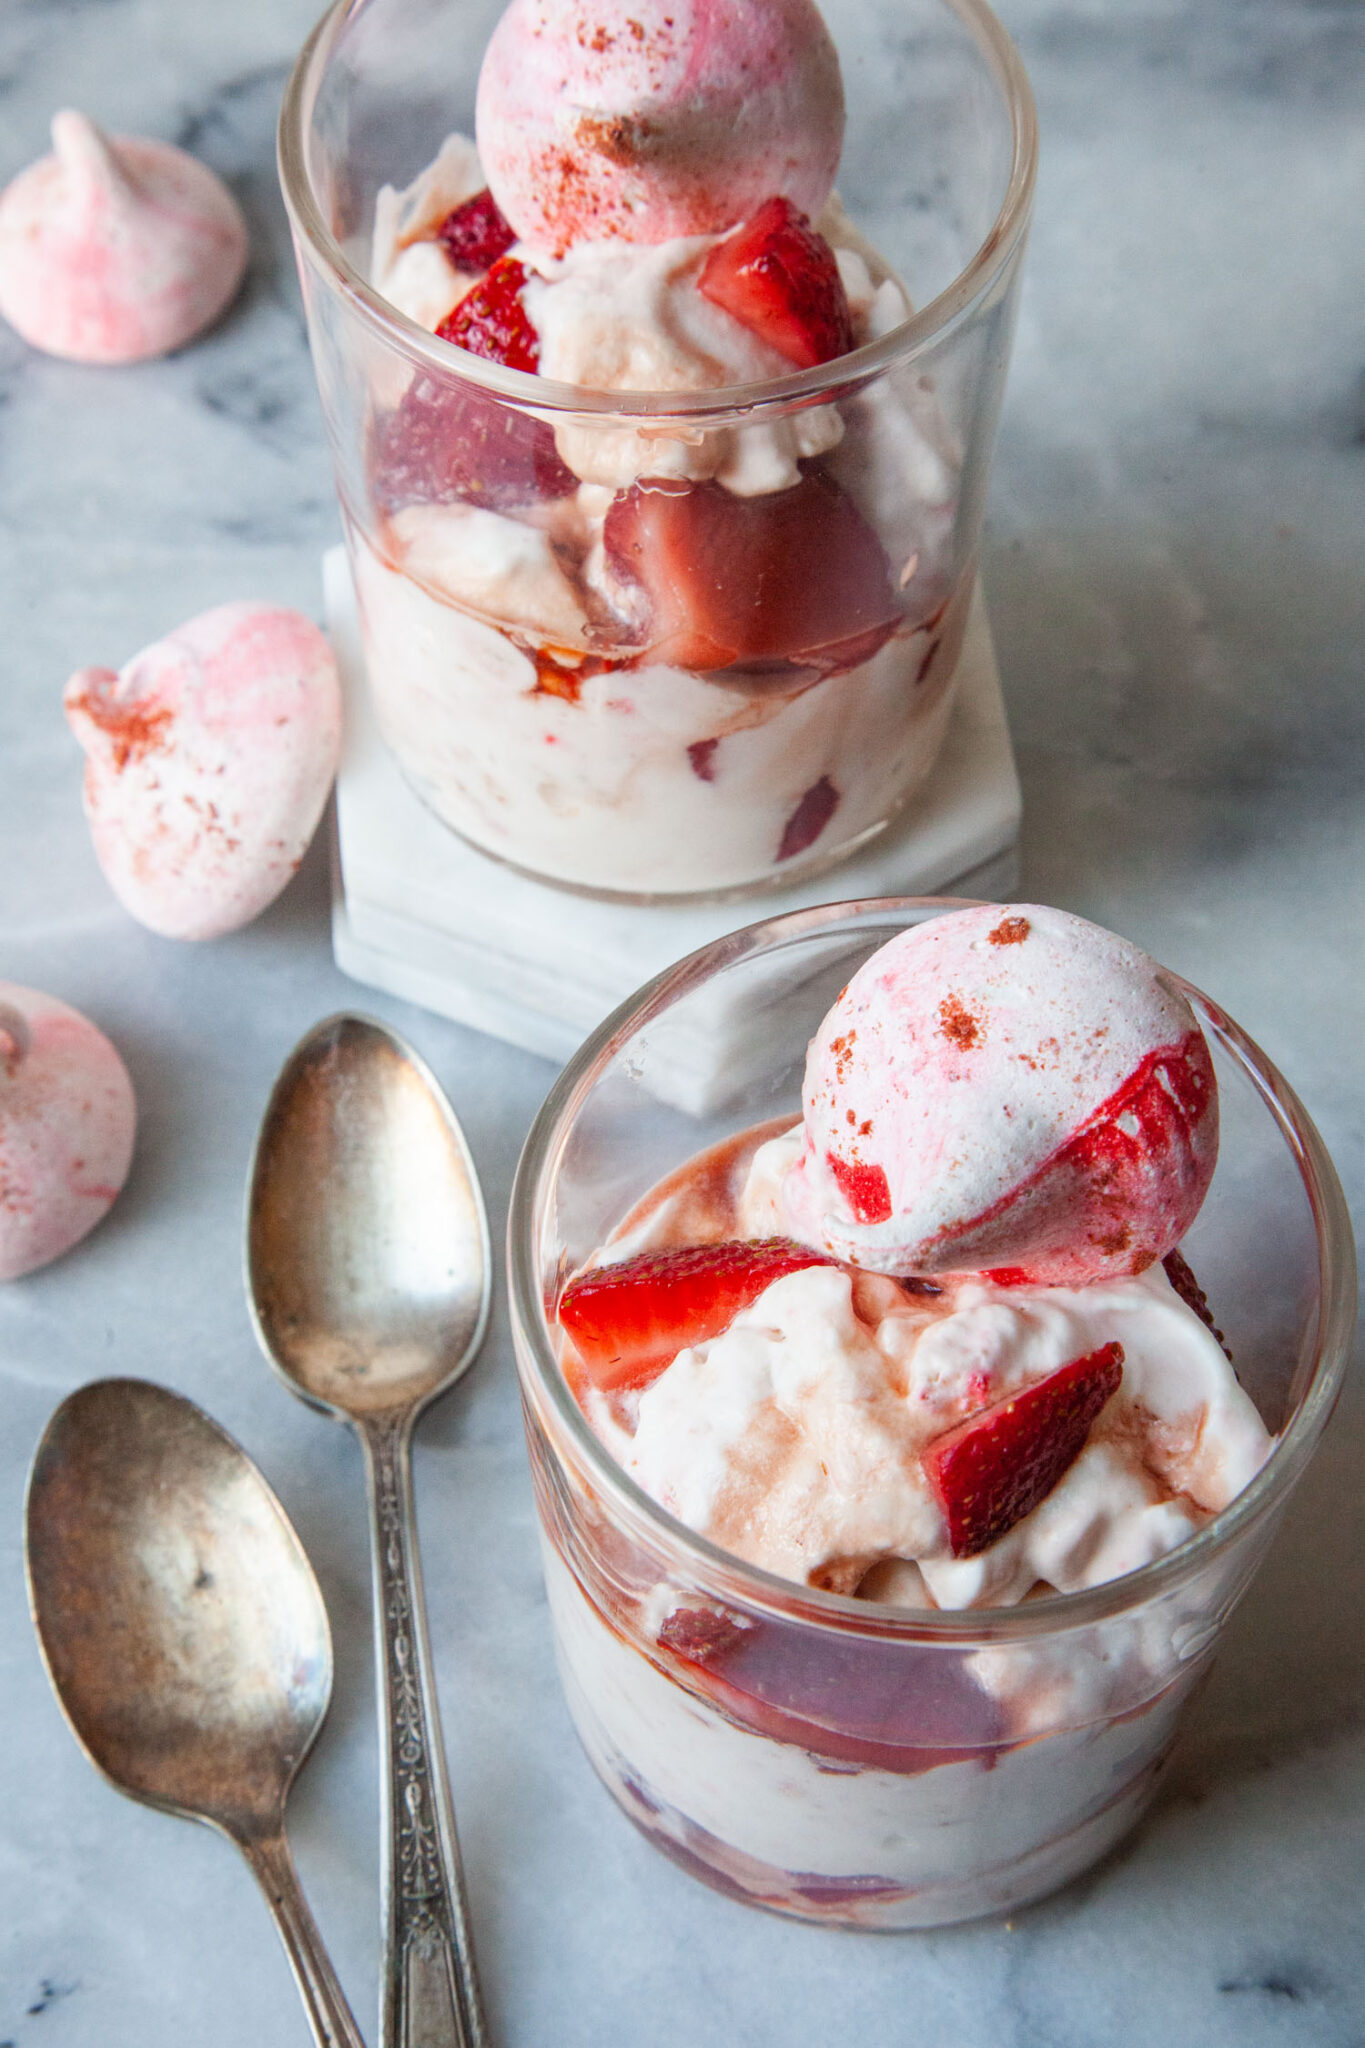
1012	1091
647	119
116	249
209	759
67	1118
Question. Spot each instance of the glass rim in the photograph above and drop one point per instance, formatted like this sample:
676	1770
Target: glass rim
1324	1343
950	309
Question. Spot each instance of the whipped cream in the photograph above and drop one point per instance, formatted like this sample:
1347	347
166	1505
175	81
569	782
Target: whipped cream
795	1439
622	316
410	268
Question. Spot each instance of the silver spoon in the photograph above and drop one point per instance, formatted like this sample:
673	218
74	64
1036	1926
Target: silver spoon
369	1275
184	1634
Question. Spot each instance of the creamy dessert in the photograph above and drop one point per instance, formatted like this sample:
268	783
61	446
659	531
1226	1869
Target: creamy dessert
680	651
934	1347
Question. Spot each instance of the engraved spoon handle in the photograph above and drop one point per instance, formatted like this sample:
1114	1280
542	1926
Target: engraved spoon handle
429	1995
324	2000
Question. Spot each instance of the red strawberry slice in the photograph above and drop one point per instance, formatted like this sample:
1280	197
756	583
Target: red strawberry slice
778	277
476	234
1181	1276
813	812
785	586
701	757
490	320
904	1709
995	1467
630	1321
448	443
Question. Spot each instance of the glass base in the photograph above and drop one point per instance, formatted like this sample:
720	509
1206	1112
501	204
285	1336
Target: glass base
925	1842
872	1904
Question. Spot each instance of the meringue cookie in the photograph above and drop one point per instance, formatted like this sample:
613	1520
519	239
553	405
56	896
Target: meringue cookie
116	249
67	1118
1007	1089
658	119
209	759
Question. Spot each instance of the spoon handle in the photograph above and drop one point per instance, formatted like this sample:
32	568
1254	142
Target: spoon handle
429	1995
324	2001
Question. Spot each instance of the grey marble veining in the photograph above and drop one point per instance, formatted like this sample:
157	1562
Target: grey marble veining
1174	563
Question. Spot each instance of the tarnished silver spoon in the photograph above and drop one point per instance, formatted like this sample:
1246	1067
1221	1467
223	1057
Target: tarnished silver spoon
369	1276
184	1633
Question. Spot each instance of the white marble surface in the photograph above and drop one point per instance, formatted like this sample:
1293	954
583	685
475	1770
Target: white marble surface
1174	557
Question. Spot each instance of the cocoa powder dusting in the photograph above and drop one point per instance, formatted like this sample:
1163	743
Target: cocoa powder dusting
957	1023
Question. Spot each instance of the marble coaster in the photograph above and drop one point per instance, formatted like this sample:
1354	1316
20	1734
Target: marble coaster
421	914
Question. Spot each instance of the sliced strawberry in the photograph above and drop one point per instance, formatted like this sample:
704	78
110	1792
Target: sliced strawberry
887	1706
995	1467
701	756
491	321
631	1320
786	586
448	443
700	1633
778	277
476	234
1181	1276
809	819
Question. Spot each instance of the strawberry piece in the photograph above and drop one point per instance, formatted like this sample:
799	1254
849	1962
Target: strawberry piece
701	757
631	1320
700	1633
1181	1276
786	586
995	1467
809	819
475	234
447	443
490	320
778	277
886	1707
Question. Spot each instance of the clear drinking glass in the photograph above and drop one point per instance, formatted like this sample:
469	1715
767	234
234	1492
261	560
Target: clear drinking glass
564	731
831	1758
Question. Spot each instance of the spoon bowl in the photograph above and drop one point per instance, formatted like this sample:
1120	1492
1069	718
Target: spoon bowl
367	1244
179	1618
183	1632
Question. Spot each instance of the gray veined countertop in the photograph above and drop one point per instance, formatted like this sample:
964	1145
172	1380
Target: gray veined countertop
1174	557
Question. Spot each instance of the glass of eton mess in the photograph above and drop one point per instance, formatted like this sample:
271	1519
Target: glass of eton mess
661	462
902	1440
